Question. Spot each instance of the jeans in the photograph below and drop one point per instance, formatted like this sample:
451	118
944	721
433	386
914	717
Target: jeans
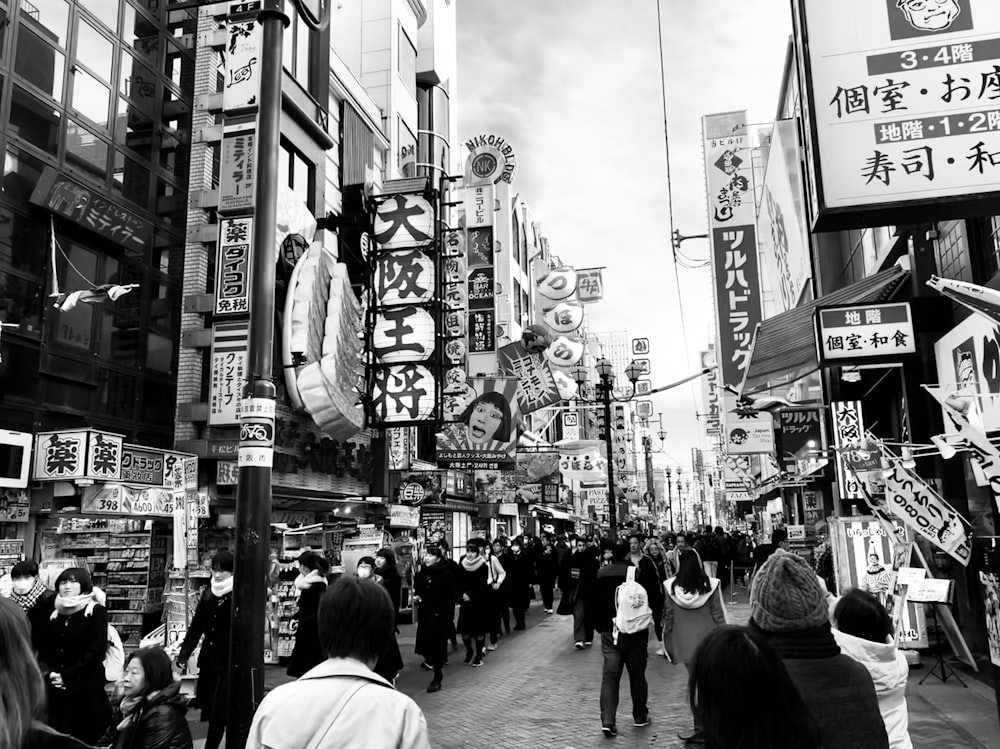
582	630
629	653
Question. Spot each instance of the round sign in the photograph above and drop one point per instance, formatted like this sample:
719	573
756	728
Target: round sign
412	493
648	496
484	165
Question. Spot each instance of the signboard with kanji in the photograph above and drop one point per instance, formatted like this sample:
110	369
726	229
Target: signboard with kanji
484	434
236	177
232	266
78	454
536	387
864	332
589	285
640	347
227	375
848	431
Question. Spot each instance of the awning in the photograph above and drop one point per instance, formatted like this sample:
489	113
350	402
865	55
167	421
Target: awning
784	346
550	512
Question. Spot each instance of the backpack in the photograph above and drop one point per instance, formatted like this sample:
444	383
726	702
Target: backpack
114	656
632	612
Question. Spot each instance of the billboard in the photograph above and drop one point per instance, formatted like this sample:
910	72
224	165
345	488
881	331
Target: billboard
483	435
864	333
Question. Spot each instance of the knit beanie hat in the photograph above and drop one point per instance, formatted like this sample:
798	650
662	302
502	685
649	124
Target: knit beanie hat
785	595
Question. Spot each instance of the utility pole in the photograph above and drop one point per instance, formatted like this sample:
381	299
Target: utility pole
606	384
647	446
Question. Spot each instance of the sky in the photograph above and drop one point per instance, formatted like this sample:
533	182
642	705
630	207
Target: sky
575	87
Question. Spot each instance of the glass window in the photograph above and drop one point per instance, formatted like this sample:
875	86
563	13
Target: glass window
159	353
157	402
66	394
76	269
299	172
407	151
116	394
178	67
134	129
38	63
51	15
20	176
94	49
174	155
24	244
141	35
91	98
170	205
131	180
106	11
138	83
86	151
407	61
21	302
34	121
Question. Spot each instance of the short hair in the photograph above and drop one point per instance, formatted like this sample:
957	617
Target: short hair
778	535
370	561
859	613
356	619
313	561
22	691
156	666
619	551
24	569
76	575
222	561
497	399
739	687
636	535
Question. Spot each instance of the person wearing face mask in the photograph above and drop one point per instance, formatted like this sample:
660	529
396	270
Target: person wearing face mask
311	585
474	609
390	663
434	597
151	714
212	621
36	601
73	655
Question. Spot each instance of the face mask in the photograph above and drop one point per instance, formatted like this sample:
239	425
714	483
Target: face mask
22	586
364	572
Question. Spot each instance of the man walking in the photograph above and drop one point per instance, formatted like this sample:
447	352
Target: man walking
621	650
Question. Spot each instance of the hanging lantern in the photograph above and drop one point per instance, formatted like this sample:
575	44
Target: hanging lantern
564	352
404	221
565	317
455	379
403	334
454	350
455	296
404	277
403	393
557	284
454	270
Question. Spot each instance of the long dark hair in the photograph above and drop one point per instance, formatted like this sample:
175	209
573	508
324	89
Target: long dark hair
22	691
387	570
496	399
859	613
690	573
743	696
156	667
76	575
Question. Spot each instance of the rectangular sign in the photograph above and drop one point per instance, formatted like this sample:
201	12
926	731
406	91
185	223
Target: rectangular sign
232	266
903	102
864	332
241	89
848	429
142	466
800	432
482	331
590	285
747	435
83	454
480	247
479	208
403	516
14	506
227	473
731	218
711	395
571	426
921	508
228	373
482	292
236	172
11	552
485	436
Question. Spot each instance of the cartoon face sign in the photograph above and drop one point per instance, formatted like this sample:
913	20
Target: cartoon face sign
929	15
484	421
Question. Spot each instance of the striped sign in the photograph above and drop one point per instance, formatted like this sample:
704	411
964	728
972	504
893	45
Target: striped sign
227	378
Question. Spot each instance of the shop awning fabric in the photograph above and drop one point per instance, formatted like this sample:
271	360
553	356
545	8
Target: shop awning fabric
784	346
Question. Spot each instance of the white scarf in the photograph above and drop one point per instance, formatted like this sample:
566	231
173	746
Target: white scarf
306	581
69	605
222	589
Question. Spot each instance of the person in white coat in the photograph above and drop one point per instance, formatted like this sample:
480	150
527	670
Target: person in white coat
864	632
342	702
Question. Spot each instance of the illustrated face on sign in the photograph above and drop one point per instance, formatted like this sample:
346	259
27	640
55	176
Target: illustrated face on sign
929	15
488	418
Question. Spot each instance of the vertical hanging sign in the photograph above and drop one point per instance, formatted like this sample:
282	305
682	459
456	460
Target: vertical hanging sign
848	429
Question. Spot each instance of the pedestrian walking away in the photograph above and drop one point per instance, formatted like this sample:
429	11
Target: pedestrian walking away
496	577
311	585
502	554
434	597
519	573
546	571
342	703
623	648
693	608
211	627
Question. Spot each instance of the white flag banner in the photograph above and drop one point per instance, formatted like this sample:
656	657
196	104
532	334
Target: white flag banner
983	453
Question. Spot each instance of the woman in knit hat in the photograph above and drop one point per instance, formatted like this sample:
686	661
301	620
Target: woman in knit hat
788	607
692	609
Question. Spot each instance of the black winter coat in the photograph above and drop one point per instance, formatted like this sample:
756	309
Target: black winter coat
520	571
576	580
212	619
159	724
474	615
307	651
435	585
547	567
41	737
40	619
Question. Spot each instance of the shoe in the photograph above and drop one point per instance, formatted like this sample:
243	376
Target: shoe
548	611
477	663
609	731
587	644
578	645
491	646
468	657
434	686
697	736
426	666
641	722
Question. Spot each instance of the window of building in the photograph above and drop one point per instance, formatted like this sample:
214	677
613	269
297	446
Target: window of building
21	302
51	17
952	250
138	83
991	260
94	50
34	121
130	180
134	129
295	53
407	62
299	172
38	63
141	34
86	151
407	161
21	173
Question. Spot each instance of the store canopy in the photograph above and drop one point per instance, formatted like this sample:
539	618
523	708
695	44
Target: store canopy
784	346
550	512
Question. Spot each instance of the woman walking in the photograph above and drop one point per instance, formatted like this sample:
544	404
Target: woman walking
474	609
311	585
692	609
74	658
496	576
390	663
212	620
576	582
151	715
434	589
656	554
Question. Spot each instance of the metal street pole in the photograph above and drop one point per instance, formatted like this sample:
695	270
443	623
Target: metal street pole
256	450
647	444
612	501
670	502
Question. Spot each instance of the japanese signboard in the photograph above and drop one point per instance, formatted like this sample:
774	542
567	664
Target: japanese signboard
873	331
11	552
479	209
801	431
584	461
782	224
536	387
622	459
571	426
481	289
589	285
848	430
485	433
746	435
90	209
482	331
398	440
232	266
241	89
731	215
983	454
966	366
491	160
480	247
403	516
236	178
640	347
921	508
84	454
711	394
227	473
227	376
142	466
902	98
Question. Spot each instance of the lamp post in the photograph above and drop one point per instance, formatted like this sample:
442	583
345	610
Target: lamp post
670	503
680	495
647	446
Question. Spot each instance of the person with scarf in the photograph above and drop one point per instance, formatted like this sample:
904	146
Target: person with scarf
576	581
35	600
212	621
390	663
495	575
546	571
788	605
474	610
311	585
434	597
501	598
151	714
73	654
692	609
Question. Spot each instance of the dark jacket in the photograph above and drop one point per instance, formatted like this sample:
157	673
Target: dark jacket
212	619
520	571
76	647
609	577
649	578
576	580
40	619
158	724
307	651
435	585
547	567
43	737
474	614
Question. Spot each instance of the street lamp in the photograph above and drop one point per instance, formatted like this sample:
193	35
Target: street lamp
670	503
647	446
680	495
